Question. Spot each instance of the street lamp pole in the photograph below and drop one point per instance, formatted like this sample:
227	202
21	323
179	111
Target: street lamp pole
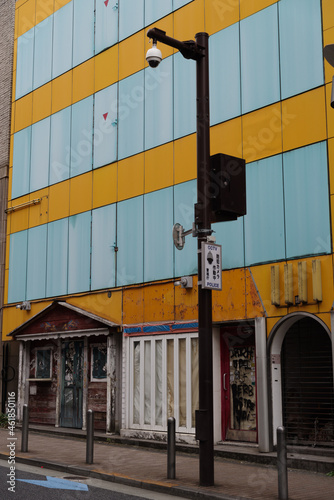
199	51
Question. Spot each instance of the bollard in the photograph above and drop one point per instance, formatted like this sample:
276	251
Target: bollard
90	437
282	467
25	428
171	448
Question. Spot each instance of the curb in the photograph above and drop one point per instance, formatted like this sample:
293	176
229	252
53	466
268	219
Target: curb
183	491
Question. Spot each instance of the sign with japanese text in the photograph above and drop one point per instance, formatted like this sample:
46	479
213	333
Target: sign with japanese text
211	266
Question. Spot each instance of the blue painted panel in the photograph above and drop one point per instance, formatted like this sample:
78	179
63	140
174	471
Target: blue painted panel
43	52
83	30
57	258
79	252
131	115
40	153
82	136
184	96
158	243
159	104
180	3
60	145
62	40
106	29
17	267
131	17
25	63
185	196
300	46
260	84
231	236
21	162
36	269
105	126
307	201
103	247
264	222
156	10
224	55
130	256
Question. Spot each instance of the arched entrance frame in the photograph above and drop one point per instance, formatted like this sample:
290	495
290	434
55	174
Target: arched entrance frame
275	342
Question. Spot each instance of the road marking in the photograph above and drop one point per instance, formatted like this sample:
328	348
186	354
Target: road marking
57	483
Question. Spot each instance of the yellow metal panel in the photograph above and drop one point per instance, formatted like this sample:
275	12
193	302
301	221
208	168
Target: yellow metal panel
189	20
39	213
329	110
253	300
229	304
159	302
130	180
165	24
186	302
185	158
249	7
23	112
109	308
7	253
331	164
10	180
219	14
326	263
302	281
275	288
106	68
327	14
16	22
13	318
27	13
262	132
15	56
41	103
288	284
133	305
316	280
159	168
81	193
226	138
304	119
62	92
262	275
328	39
12	123
83	80
19	219
5	295
105	185
13	86
44	9
59	200
133	45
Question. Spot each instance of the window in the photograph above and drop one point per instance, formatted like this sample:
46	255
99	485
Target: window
43	363
164	381
98	363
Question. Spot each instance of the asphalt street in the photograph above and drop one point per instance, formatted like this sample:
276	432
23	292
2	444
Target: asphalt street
42	484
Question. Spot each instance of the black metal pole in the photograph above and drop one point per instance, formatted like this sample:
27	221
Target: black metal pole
282	467
202	219
90	437
171	448
25	428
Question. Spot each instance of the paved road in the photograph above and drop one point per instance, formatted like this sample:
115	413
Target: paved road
50	485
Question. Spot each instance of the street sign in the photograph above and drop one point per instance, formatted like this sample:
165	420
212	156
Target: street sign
211	266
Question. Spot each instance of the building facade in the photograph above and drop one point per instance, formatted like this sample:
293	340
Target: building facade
103	163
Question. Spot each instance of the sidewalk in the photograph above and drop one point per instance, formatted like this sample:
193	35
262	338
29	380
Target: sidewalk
147	468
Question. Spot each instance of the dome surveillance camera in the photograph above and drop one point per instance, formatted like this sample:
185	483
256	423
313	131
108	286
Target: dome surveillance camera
154	56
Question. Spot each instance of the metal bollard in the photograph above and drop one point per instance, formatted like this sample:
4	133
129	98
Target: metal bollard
25	428
282	467
90	437
171	448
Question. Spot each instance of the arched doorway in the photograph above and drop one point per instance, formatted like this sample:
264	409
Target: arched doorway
307	384
301	356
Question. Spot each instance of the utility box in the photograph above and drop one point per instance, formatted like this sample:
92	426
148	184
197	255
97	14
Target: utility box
227	187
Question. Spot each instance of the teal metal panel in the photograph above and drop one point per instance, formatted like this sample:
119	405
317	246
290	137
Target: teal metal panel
103	247
25	63
21	162
57	258
82	137
43	52
264	222
105	126
158	242
60	146
79	245
185	196
301	55
83	30
40	154
36	268
184	96
106	28
230	235
131	17
17	267
62	40
130	241
155	10
307	201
